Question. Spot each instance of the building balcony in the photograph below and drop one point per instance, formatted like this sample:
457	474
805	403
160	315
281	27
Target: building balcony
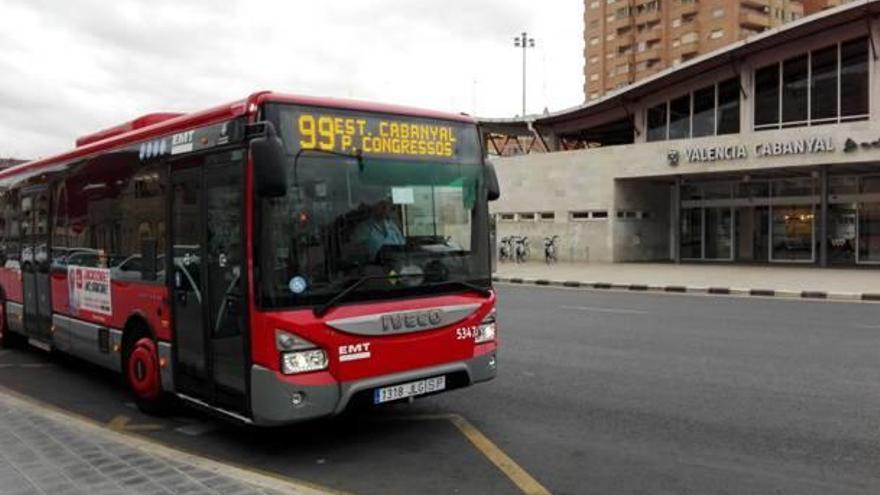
618	79
687	9
649	54
649	71
690	48
755	4
619	23
625	39
624	58
650	35
753	20
646	17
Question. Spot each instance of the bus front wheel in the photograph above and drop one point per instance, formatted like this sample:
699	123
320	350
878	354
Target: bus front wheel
142	373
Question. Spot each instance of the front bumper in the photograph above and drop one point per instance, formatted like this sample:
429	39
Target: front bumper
271	394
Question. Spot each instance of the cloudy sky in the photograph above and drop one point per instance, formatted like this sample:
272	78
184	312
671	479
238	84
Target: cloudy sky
68	68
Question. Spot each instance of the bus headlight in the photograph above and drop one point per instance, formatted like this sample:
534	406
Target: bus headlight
286	341
298	355
486	330
303	361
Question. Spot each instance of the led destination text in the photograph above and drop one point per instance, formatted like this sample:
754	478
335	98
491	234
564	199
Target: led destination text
375	136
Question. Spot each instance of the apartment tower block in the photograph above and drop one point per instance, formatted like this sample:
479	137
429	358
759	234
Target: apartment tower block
629	40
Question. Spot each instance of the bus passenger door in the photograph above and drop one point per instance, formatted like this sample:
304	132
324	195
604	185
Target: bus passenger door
224	282
208	281
186	287
35	263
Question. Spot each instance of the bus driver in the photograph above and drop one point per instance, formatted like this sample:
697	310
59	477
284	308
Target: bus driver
379	229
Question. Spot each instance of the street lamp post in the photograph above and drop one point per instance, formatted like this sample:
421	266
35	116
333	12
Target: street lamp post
525	42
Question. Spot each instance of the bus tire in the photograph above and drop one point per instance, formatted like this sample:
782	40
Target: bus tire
8	339
142	374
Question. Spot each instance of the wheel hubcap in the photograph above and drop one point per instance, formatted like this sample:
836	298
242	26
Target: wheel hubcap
143	369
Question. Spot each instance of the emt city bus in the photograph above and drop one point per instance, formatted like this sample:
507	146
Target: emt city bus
272	260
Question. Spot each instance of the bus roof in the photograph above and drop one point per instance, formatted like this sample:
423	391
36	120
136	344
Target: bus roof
160	124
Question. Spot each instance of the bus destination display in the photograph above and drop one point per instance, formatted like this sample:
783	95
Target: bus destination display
376	135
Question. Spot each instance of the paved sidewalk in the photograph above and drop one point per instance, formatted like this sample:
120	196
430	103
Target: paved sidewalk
43	451
786	281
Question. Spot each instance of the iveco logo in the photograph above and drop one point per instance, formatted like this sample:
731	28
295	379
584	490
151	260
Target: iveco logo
404	321
413	320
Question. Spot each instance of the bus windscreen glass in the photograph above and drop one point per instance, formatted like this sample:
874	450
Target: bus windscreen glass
410	214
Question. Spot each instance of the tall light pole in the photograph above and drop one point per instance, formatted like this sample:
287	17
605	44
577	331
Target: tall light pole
525	42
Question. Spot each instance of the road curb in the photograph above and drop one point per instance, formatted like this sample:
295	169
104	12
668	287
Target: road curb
681	289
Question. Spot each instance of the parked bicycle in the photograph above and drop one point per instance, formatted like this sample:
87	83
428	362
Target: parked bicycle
521	249
505	249
551	249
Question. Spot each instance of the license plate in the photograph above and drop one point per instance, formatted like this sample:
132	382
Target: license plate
411	389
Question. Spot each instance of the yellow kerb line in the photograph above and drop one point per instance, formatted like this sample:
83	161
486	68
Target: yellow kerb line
518	475
123	423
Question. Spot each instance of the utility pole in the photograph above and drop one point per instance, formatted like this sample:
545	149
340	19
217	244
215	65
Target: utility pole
524	42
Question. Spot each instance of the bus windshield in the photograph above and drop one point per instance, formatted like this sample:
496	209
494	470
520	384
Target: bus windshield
408	225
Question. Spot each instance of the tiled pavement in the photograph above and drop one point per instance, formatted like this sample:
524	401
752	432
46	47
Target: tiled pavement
42	452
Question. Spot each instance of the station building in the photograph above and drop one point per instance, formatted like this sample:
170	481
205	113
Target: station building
764	151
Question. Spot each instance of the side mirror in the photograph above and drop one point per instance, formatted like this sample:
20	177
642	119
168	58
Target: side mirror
270	174
494	190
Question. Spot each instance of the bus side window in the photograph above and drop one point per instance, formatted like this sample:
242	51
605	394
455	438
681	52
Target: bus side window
58	256
13	233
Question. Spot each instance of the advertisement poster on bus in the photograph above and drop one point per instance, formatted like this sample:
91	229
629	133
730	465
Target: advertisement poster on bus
89	289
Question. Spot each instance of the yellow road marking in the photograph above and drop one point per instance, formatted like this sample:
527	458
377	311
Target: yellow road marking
123	423
523	480
518	475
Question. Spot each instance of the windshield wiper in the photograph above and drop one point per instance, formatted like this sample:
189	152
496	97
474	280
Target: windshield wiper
335	300
465	284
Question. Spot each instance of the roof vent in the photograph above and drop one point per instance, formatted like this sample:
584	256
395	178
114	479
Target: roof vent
138	123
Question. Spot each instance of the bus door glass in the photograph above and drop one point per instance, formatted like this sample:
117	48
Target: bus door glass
224	267
186	275
35	262
207	280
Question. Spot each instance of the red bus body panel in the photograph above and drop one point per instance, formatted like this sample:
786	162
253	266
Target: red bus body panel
389	353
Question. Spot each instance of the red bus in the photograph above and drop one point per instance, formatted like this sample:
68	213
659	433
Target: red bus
272	260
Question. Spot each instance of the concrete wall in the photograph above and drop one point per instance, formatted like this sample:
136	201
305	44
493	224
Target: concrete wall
645	238
559	183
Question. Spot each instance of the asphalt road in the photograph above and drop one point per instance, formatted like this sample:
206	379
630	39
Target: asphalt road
598	392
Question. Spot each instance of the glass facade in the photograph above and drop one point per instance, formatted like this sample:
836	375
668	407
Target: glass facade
854	87
793	233
692	233
779	220
795	81
719	233
680	117
823	86
869	221
869	233
709	111
842	240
